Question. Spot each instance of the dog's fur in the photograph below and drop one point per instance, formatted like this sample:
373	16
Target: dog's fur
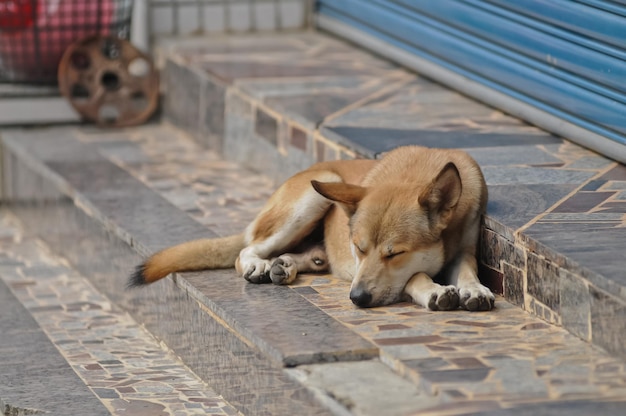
389	226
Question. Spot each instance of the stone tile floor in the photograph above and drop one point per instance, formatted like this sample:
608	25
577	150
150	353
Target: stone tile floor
553	235
502	359
123	365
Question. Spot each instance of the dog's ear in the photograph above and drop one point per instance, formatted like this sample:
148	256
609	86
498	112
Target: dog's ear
442	195
346	195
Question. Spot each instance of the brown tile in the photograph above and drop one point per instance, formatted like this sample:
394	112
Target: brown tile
543	281
413	313
438	348
490	278
298	138
469	375
618	173
388	327
266	126
513	284
431	363
425	339
495	248
456	394
93	367
548	165
49	308
535	325
126	389
473	323
583	202
618	207
20	285
319	150
467	362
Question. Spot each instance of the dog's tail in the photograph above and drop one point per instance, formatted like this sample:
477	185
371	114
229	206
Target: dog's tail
214	253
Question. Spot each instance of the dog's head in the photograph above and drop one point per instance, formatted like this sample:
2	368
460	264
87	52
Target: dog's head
395	231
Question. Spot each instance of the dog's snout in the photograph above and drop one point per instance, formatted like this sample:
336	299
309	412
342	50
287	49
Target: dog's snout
360	297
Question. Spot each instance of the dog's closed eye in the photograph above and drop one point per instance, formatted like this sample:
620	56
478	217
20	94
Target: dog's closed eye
392	255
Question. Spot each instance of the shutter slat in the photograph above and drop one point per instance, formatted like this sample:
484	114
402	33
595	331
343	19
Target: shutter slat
568	60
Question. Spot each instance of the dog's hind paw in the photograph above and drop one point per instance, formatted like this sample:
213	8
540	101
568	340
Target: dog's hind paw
445	298
476	298
283	270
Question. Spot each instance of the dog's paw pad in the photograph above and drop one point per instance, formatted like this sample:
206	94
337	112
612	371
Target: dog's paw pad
477	298
283	271
444	299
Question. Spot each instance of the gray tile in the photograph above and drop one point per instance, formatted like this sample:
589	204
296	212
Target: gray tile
517	204
608	321
243	374
534	176
288	327
380	140
591	249
212	109
512	155
182	101
28	358
562	408
495	249
543	281
513	284
266	127
575	309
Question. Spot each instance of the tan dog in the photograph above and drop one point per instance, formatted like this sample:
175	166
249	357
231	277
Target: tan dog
388	226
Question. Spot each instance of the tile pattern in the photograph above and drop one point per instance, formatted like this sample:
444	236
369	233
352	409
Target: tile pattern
122	364
211	190
502	359
554	207
113	219
497	360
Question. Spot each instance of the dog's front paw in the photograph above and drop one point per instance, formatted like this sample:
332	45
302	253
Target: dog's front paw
476	297
444	298
283	270
258	272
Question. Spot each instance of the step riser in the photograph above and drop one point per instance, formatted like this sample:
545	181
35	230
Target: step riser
238	371
242	129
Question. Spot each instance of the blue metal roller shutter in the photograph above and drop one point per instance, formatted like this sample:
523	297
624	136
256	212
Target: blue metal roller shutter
565	59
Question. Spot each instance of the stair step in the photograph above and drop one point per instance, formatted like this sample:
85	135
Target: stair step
553	236
101	353
112	197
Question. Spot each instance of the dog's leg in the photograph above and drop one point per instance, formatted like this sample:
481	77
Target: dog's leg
431	295
290	215
286	267
474	296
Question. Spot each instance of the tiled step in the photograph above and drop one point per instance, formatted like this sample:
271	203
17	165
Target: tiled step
66	350
34	104
304	349
553	236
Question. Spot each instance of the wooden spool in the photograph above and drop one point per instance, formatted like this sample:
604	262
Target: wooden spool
109	81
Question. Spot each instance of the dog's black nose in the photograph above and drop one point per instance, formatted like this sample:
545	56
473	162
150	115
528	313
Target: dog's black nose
360	297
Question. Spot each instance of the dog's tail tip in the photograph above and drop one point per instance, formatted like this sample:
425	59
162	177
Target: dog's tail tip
137	277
